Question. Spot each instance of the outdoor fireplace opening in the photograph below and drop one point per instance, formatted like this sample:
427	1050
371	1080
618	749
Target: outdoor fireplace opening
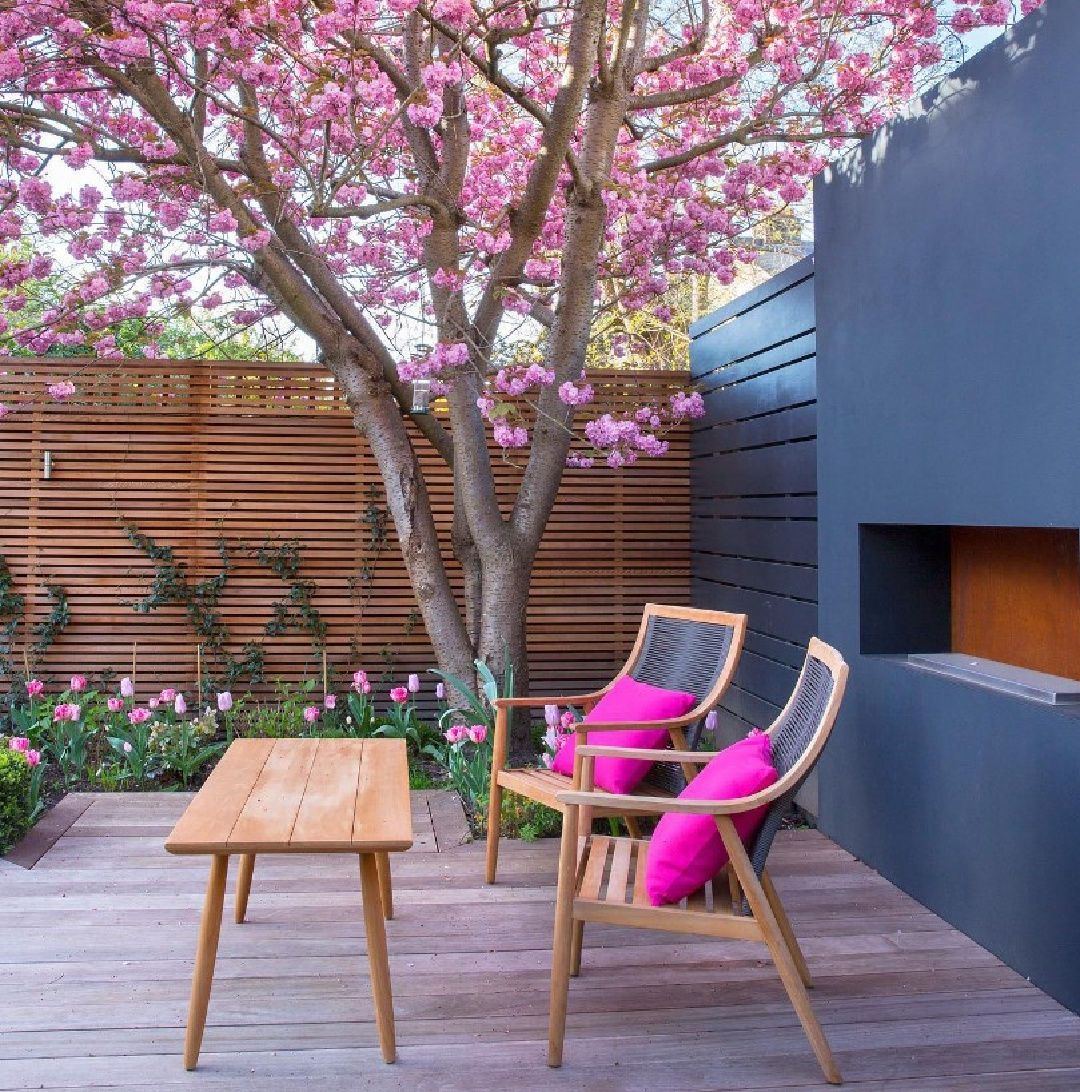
998	606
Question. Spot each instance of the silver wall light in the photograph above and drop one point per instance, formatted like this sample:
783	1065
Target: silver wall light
47	468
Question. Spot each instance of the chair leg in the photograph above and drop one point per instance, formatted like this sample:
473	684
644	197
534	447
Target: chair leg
564	928
785	929
778	949
493	818
575	948
633	827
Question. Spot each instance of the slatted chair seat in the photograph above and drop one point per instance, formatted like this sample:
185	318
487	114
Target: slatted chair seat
677	648
604	878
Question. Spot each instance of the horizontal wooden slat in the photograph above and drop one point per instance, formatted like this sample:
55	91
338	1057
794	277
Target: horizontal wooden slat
266	452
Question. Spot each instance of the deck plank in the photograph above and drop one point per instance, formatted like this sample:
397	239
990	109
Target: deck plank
99	938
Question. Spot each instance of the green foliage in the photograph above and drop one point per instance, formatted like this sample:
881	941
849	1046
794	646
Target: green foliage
59	619
184	747
12	608
15	813
523	818
297	611
170	587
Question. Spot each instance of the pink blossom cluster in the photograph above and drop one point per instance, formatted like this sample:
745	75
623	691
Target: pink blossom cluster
351	181
22	745
66	711
360	682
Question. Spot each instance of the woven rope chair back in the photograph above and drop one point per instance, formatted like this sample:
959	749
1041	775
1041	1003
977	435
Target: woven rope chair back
795	729
682	654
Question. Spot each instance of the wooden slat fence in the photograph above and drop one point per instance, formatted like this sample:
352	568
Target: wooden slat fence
256	453
754	484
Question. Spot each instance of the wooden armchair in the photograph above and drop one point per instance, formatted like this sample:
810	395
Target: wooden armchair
677	648
603	879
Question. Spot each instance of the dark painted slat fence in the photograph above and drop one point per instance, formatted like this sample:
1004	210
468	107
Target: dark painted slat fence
753	473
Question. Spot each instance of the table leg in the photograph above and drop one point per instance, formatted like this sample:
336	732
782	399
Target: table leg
243	885
386	894
377	957
205	957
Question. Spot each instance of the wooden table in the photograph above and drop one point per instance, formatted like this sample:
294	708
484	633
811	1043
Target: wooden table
299	796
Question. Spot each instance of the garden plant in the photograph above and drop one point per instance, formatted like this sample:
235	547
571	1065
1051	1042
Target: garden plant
462	192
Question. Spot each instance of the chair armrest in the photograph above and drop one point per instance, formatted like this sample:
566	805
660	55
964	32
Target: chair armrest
653	753
562	699
581	727
661	805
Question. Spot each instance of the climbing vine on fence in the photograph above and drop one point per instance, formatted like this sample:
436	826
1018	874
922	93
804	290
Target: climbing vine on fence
12	609
200	600
58	620
296	611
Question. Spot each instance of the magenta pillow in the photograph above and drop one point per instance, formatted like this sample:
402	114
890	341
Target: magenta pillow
686	851
631	701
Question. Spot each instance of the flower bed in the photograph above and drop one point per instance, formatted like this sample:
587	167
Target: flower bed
99	738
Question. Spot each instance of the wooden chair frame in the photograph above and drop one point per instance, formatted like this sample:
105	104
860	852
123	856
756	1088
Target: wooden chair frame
594	875
544	786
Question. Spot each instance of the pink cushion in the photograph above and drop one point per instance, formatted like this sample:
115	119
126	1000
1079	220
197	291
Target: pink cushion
686	851
630	701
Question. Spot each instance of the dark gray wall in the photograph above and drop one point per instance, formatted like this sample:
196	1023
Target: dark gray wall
754	481
947	279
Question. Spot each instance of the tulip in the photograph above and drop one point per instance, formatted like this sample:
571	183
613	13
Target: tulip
477	733
399	694
180	705
115	704
33	757
330	701
154	703
224	701
167	695
127	747
35	688
78	683
551	715
138	716
414	684
454	734
440	691
710	721
360	682
311	714
127	687
75	711
19	743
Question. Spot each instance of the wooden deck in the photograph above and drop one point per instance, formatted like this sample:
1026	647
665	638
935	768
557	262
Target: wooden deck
97	943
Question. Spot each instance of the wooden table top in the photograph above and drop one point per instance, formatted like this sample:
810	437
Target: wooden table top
301	796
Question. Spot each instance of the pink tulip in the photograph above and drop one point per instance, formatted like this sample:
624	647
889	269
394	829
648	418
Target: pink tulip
167	695
414	684
440	691
78	683
330	701
33	757
551	715
477	733
115	704
19	743
74	712
35	688
179	705
127	687
454	734
224	701
360	682
547	760
311	714
710	721
154	703
399	694
64	711
127	747
139	716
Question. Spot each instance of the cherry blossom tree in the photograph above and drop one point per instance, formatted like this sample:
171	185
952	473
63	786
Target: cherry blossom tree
452	190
